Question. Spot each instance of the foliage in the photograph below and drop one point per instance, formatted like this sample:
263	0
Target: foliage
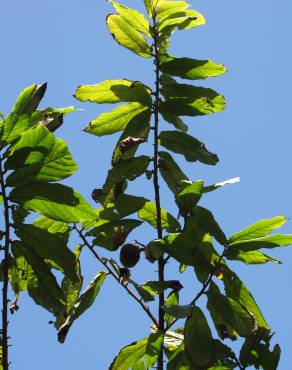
33	163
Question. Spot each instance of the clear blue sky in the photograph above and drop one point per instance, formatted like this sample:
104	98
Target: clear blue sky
67	44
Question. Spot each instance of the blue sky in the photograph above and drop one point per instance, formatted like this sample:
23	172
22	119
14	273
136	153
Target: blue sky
67	44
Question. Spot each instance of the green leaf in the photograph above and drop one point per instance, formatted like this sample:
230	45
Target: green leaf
207	223
57	165
128	169
198	338
156	287
15	125
41	283
129	355
249	258
155	342
112	235
168	8
189	196
139	127
115	120
258	230
85	300
133	18
236	290
56	201
29	99
191	148
256	351
182	20
32	147
191	69
124	205
171	172
126	35
227	311
175	121
272	241
178	311
172	299
48	247
58	228
149	213
144	293
115	91
179	360
187	100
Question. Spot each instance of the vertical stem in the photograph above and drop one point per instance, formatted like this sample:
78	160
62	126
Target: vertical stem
161	262
4	332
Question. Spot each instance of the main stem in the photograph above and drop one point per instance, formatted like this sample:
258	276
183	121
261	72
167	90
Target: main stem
161	262
4	332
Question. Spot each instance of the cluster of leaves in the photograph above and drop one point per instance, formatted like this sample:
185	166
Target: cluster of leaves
33	161
191	239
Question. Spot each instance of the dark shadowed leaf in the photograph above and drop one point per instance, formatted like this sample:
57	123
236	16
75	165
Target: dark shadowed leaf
198	338
171	172
85	300
191	148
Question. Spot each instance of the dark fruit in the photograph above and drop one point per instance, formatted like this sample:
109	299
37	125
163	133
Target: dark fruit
129	255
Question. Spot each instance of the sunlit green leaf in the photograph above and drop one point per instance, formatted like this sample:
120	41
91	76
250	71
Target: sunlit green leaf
191	148
54	166
126	35
189	196
155	342
250	258
182	19
269	242
85	300
258	230
133	18
198	338
115	120
149	213
115	91
129	355
56	201
190	68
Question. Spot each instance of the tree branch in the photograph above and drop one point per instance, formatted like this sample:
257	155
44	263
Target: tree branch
112	273
4	333
161	262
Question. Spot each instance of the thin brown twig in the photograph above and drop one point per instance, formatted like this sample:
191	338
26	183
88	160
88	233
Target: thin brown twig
112	273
